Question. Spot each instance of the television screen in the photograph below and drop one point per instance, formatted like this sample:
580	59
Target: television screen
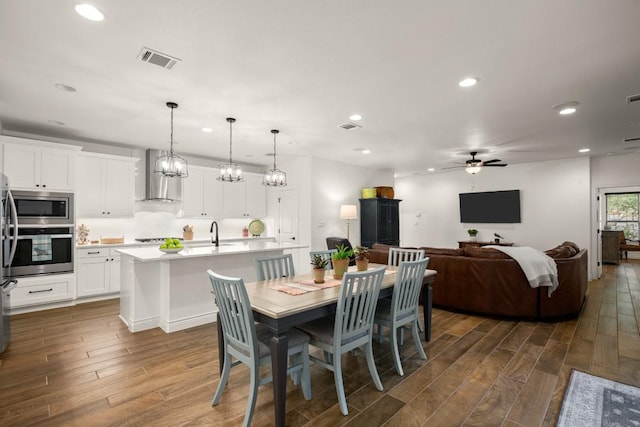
490	207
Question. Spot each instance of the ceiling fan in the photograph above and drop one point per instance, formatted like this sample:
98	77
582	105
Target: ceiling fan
475	165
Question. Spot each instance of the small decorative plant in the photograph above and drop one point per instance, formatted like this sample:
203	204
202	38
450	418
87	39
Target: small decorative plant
361	253
318	262
342	252
472	232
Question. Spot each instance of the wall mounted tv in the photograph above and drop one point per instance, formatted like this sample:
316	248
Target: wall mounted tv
490	207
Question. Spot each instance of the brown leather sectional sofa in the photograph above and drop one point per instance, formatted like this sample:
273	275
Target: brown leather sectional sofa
487	281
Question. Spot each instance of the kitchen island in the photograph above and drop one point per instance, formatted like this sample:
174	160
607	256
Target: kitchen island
172	290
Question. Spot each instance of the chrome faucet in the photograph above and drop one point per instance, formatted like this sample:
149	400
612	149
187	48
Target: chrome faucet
215	241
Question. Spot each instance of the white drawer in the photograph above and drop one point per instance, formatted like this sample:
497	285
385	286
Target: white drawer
42	290
97	253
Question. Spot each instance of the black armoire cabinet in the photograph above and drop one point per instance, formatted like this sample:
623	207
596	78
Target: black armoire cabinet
380	221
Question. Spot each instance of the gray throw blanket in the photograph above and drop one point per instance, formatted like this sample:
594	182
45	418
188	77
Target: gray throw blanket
539	268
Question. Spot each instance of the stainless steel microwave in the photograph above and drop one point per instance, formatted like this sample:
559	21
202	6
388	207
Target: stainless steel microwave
44	208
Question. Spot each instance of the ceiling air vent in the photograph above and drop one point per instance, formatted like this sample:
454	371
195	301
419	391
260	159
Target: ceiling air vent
349	126
630	140
633	98
157	58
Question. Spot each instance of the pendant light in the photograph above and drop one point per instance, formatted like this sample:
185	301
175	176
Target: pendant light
170	164
230	172
274	177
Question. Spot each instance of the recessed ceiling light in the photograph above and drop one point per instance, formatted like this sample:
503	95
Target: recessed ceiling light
64	87
89	12
566	108
355	117
431	170
584	150
366	151
468	82
207	130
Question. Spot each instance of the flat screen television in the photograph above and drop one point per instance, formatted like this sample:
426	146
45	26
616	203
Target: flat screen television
492	207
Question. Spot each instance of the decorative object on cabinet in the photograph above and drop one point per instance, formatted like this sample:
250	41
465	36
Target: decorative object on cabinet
256	227
368	193
230	172
385	192
171	164
82	234
111	240
348	212
380	221
187	232
473	234
274	177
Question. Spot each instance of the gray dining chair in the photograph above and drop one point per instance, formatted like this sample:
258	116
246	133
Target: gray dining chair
248	342
273	267
396	256
350	328
325	255
401	311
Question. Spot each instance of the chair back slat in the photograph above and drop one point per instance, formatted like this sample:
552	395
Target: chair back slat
357	305
274	267
325	255
235	313
398	255
406	290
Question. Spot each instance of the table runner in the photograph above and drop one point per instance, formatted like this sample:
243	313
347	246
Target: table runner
301	287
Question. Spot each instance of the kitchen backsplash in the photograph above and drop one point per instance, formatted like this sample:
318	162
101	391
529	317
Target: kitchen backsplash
165	224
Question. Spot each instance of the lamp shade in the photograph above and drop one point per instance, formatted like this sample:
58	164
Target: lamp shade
473	169
348	212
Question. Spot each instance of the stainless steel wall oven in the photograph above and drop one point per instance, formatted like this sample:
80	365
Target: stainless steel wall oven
40	233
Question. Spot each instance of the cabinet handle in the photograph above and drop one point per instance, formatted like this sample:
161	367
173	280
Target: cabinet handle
93	253
41	290
44	185
108	213
103	212
107	260
37	185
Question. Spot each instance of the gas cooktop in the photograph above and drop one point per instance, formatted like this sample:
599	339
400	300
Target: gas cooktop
154	239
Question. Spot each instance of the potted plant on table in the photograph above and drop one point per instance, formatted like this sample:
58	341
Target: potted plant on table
340	260
362	258
473	233
319	267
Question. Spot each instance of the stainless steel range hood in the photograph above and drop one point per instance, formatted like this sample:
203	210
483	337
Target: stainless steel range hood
160	188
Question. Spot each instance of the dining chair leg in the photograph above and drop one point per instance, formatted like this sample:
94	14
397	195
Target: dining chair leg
394	348
224	377
337	375
419	322
253	395
372	367
306	374
416	340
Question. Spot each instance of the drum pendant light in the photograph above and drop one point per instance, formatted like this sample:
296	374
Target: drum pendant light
274	177
171	164
230	172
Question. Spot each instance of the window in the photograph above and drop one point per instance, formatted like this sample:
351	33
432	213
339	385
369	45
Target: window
622	213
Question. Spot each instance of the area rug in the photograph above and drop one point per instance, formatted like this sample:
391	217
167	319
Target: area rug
595	401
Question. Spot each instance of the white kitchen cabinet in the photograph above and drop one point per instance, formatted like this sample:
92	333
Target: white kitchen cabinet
98	271
34	165
202	193
105	185
44	289
246	199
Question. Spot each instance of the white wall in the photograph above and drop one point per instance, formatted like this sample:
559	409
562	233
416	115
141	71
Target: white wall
555	204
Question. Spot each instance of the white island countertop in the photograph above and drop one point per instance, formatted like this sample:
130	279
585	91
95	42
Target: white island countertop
153	253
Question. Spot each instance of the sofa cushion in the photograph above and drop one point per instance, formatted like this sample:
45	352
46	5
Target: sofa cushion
489	253
443	251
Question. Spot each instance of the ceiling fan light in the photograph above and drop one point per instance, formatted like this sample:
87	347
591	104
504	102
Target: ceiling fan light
473	169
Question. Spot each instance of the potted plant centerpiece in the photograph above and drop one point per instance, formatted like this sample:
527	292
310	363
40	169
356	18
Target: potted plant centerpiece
362	258
473	233
319	265
340	260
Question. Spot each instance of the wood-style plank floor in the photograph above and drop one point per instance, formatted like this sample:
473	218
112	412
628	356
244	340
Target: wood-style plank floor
81	366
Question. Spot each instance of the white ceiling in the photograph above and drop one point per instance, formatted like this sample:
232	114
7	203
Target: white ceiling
305	66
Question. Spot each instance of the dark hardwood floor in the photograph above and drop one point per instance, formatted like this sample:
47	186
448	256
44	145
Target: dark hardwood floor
81	366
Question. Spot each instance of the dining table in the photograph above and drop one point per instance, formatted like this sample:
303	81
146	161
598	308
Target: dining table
282	303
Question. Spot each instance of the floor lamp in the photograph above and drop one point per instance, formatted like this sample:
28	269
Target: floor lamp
348	212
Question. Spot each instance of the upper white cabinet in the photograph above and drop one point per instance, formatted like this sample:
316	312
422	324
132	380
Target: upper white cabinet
202	193
246	199
105	185
37	165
